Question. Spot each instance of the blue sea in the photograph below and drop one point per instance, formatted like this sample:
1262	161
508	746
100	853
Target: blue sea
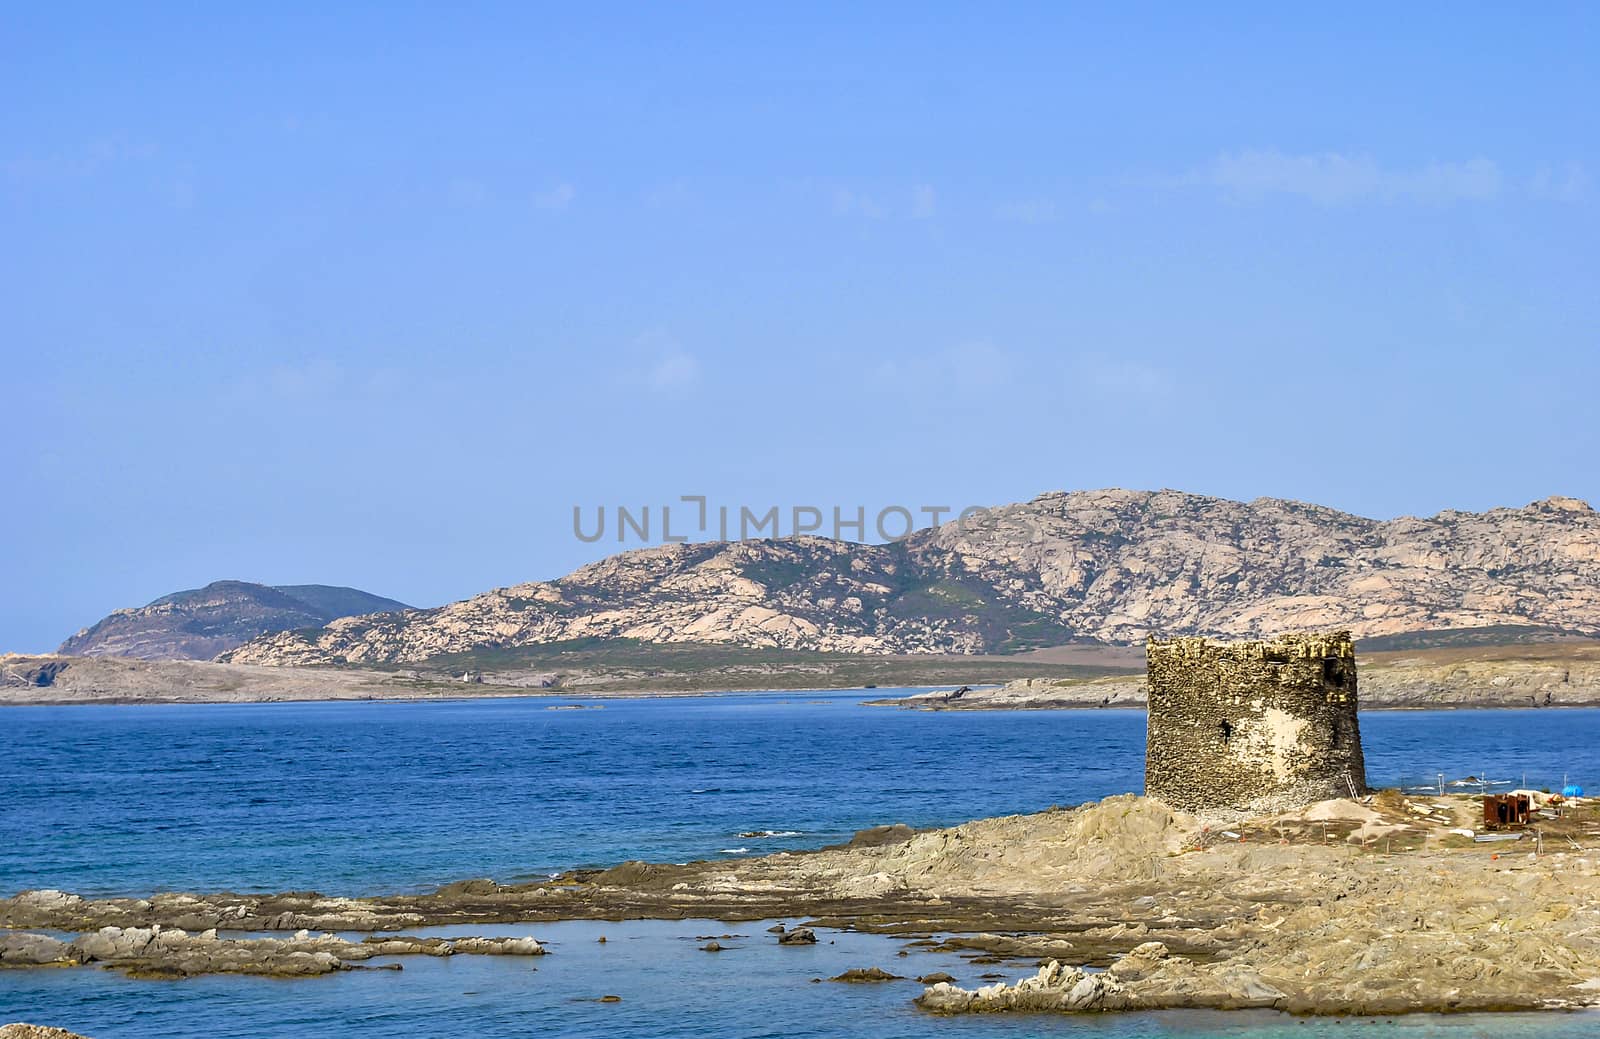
371	797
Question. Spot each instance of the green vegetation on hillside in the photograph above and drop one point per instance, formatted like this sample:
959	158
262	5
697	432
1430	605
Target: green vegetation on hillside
617	665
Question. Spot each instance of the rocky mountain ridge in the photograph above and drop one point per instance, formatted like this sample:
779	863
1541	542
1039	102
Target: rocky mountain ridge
200	623
1109	565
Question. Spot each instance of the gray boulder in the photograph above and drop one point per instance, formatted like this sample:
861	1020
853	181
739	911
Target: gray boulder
34	950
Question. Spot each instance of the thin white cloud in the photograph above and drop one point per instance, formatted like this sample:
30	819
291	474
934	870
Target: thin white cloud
851	203
920	201
120	148
313	377
94	156
1333	178
674	371
668	194
1568	182
656	363
290	383
1028	211
962	366
467	193
979	364
556	198
1102	375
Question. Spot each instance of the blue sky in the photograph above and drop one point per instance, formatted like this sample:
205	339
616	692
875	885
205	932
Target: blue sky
375	296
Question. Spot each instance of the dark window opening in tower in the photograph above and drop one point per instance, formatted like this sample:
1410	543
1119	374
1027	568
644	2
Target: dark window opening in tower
1227	733
1333	671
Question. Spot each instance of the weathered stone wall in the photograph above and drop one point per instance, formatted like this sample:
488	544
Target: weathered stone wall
1257	725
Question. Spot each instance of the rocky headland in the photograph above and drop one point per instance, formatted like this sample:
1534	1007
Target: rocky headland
1379	906
199	623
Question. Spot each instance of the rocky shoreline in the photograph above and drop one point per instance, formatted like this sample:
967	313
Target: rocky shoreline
1559	674
65	681
172	952
1373	907
1550	675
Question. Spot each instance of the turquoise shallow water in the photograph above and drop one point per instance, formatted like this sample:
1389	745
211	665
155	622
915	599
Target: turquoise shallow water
367	797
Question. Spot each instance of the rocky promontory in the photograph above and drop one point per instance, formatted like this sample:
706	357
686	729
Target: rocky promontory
1379	906
199	623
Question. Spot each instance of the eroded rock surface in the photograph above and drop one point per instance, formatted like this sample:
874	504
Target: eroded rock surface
1345	907
158	951
1148	978
865	976
20	1030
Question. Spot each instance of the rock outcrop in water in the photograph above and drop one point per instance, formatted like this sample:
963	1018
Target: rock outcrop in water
1148	978
157	951
1111	565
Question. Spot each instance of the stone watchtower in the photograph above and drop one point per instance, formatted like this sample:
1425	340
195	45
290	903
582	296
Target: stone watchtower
1253	725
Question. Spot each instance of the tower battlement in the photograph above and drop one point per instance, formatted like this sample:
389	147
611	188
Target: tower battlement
1253	725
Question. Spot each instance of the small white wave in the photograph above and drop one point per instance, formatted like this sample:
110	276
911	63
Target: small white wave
768	834
733	851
